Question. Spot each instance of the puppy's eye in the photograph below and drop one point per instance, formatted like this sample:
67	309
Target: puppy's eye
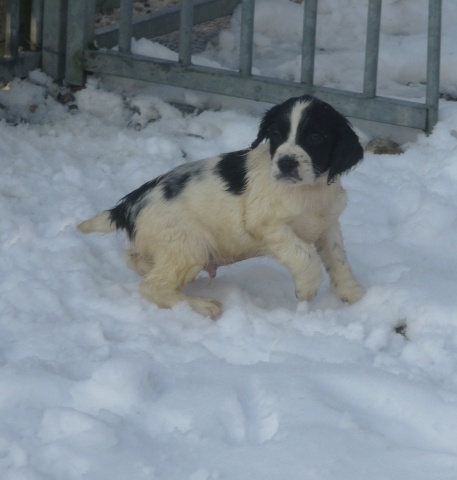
275	135
315	138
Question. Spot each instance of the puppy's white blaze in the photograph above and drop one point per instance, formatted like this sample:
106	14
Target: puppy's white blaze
295	117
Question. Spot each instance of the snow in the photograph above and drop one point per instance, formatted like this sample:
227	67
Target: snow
97	383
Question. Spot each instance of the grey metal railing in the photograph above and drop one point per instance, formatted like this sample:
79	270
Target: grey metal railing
242	83
68	47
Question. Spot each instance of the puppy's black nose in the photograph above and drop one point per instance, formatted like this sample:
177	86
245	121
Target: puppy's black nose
287	164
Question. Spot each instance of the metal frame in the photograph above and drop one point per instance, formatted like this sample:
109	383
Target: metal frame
55	37
67	52
365	105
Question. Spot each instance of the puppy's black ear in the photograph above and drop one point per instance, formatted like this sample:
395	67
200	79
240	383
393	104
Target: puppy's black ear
347	152
265	125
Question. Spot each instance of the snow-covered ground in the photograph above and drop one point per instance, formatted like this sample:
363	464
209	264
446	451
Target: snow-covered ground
98	384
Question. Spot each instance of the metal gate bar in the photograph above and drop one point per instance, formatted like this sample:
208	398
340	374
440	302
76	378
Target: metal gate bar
12	28
36	24
365	105
378	109
309	42
125	26
433	62
185	32
246	37
372	48
54	36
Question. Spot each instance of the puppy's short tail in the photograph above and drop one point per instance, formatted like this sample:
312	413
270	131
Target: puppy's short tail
99	223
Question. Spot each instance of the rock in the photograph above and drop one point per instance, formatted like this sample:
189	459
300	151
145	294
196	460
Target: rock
380	146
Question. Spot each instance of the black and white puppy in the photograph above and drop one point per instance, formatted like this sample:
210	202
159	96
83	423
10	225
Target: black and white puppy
281	198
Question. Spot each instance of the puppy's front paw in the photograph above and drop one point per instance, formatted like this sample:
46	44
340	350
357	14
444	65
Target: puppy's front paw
208	307
351	293
306	288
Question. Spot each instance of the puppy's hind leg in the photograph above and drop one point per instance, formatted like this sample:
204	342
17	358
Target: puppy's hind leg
139	263
164	283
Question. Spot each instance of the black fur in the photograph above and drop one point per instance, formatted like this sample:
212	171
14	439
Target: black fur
275	124
232	169
174	184
124	214
347	152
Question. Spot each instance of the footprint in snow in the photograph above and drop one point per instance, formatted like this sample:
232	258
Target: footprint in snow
250	416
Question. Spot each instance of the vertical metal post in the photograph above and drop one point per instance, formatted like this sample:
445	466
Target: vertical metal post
370	77
77	32
309	42
90	23
54	37
433	62
36	24
125	26
12	29
246	36
185	32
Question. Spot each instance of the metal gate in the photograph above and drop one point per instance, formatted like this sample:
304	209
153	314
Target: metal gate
72	47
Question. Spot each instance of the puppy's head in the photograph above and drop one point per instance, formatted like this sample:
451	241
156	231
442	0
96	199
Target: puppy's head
308	138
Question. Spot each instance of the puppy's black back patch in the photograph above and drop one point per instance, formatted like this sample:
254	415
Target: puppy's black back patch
170	185
174	184
124	214
232	169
